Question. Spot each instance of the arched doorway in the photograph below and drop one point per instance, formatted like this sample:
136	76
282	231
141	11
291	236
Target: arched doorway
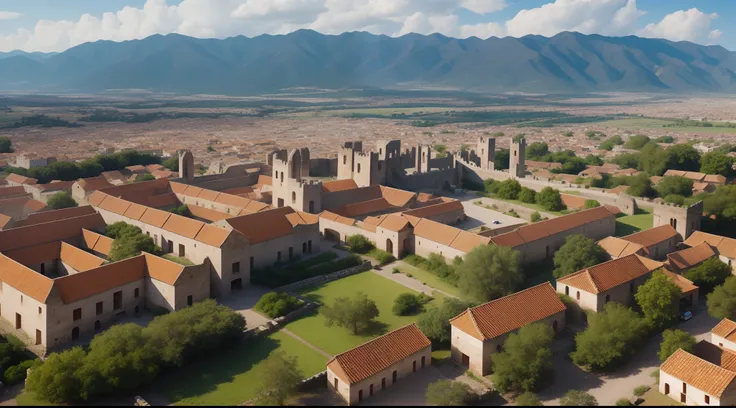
332	235
389	246
97	326
75	333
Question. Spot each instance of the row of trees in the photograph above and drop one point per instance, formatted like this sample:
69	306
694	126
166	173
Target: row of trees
571	164
129	241
127	356
69	171
549	198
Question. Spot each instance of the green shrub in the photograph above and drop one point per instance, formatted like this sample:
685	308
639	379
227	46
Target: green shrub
274	277
395	270
381	256
623	402
641	390
275	304
359	243
407	304
536	216
17	373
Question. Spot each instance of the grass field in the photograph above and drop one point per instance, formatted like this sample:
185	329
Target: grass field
536	207
631	224
371	111
651	123
233	376
335	340
654	399
432	280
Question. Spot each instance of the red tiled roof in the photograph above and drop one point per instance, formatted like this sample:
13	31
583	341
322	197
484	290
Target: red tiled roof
690	257
53	215
726	328
607	275
652	236
378	354
339	185
25	280
698	373
265	225
725	246
509	313
437	209
73	288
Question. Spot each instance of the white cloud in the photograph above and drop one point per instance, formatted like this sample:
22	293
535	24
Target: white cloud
690	25
9	15
223	18
484	6
607	17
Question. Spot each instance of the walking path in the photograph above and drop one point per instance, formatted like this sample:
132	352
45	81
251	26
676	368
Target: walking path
404	280
306	343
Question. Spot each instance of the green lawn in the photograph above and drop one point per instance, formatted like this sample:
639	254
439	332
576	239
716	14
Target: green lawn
335	340
653	123
631	224
654	399
232	376
432	280
178	259
536	207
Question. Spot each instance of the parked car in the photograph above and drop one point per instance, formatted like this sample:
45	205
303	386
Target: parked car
496	222
687	315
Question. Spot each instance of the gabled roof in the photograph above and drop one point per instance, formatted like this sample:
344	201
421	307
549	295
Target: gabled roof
183	226
365	207
725	246
207	214
617	247
607	275
338	185
53	215
437	209
543	229
78	286
338	218
12	191
97	242
652	236
726	328
396	197
509	313
78	259
94	183
59	230
378	354
685	285
699	373
267	225
25	280
17	178
690	257
162	269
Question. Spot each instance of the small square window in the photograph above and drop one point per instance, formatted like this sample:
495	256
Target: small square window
77	314
136	293
99	308
39	310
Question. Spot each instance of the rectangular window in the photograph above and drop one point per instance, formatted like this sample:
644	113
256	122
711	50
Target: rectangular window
181	250
278	256
99	308
236	267
189	300
117	300
43	269
77	314
252	262
684	388
707	399
136	293
291	252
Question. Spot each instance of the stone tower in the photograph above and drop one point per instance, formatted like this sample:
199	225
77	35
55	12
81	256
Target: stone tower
685	220
423	155
290	186
517	167
486	151
186	165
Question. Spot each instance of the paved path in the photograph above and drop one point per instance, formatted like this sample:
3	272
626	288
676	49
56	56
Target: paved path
402	279
306	343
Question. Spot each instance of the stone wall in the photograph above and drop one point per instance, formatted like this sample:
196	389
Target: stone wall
323	167
293	287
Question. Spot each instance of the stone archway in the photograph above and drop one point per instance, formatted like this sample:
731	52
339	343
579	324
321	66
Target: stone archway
332	235
389	246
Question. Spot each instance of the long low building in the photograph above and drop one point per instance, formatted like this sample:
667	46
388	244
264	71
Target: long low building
706	376
480	331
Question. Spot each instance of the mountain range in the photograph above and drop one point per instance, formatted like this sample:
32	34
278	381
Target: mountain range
566	63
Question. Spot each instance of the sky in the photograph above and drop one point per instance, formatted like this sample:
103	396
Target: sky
56	25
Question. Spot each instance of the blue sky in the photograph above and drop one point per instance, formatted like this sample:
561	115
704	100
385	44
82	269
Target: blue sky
702	21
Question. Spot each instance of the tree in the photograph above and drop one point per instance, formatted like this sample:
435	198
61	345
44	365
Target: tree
612	336
682	157
128	246
528	399
722	205
717	163
441	150
280	378
591	204
627	160
665	139
527	195
537	150
636	142
407	304
609	143
550	199
490	272
6	146
578	252
449	393
659	300
526	359
276	304
509	189
575	398
144	177
593	160
359	243
355	314
674	340
640	186
709	274
675	185
62	199
502	160
435	322
119	359
722	301
536	217
172	163
56	379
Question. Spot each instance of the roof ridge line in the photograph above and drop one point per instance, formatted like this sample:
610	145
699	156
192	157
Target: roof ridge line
475	324
374	339
512	294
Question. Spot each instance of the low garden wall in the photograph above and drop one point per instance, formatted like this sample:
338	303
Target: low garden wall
317	280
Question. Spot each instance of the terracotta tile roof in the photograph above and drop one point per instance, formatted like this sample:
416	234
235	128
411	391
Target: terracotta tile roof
725	246
114	205
78	259
263	226
394	222
115	175
35	205
12	191
53	215
192	191
437	209
155	217
607	275
719	356
652	236
207	214
232	200
509	313
436	232
25	280
256	206
693	256
617	247
162	269
178	187
17	178
339	185
97	242
396	197
208	195
698	373
59	230
543	229
238	190
365	207
135	211
212	235
424	196
542	165
152	167
726	328
685	285
301	218
330	215
36	254
265	180
183	226
378	354
73	288
715	179
467	241
136	168
94	183
619	189
573	202
5	220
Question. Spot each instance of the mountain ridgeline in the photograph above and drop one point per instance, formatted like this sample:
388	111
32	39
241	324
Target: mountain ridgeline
566	63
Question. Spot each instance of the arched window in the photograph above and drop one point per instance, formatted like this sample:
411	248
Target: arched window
97	326
608	298
358	167
344	159
567	290
554	326
498	348
293	197
577	296
75	333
